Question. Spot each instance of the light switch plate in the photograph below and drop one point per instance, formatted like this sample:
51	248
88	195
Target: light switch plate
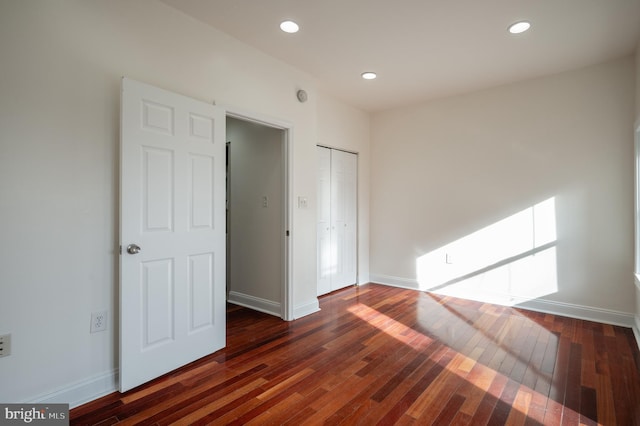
302	203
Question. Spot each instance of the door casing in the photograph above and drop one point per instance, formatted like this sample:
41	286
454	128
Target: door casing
286	301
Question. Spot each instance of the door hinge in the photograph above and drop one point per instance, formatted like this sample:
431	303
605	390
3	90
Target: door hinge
287	232
120	250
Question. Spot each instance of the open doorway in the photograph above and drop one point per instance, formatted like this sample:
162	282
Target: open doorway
257	215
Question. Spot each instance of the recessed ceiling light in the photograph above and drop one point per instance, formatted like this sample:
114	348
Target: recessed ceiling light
289	27
369	75
519	27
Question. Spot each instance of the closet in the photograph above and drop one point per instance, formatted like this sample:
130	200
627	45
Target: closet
337	219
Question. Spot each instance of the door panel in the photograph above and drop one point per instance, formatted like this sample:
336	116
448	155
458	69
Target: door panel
326	266
172	293
343	217
351	220
157	191
157	288
201	299
201	183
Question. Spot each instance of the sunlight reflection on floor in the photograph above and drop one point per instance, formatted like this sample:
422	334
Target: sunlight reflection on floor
465	362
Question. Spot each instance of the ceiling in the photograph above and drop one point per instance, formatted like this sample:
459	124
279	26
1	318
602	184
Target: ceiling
425	49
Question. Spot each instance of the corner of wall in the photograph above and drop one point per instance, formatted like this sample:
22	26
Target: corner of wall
638	84
636	325
305	309
636	128
636	330
255	303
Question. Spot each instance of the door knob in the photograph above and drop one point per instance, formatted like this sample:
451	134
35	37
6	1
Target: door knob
133	249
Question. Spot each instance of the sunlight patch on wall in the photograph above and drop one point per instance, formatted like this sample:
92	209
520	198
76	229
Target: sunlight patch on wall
508	262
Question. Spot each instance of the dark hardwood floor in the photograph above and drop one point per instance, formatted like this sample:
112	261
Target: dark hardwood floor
382	355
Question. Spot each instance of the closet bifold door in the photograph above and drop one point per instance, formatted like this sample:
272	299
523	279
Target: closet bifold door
337	219
324	220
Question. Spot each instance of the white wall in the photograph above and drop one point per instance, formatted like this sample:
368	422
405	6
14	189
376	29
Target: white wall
638	82
59	133
341	126
637	126
447	168
255	231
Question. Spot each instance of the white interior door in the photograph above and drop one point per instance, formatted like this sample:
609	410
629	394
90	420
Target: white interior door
325	264
343	218
172	290
337	219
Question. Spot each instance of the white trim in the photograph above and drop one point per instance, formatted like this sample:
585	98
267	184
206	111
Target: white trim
636	191
571	310
636	330
395	281
255	303
636	326
286	303
254	117
636	221
287	291
306	309
322	145
82	391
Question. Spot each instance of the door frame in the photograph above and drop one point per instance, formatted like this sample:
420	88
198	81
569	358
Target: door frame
286	302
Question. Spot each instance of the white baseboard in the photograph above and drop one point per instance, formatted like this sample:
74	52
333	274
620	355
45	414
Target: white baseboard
589	313
306	309
636	327
81	392
636	330
255	303
395	281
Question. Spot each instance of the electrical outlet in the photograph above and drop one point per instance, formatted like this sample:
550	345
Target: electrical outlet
5	345
98	321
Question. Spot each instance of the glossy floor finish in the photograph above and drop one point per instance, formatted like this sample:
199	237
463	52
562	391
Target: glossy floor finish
382	355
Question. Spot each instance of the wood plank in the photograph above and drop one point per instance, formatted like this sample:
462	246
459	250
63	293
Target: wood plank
520	407
449	411
397	402
588	406
477	385
573	393
504	405
537	410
